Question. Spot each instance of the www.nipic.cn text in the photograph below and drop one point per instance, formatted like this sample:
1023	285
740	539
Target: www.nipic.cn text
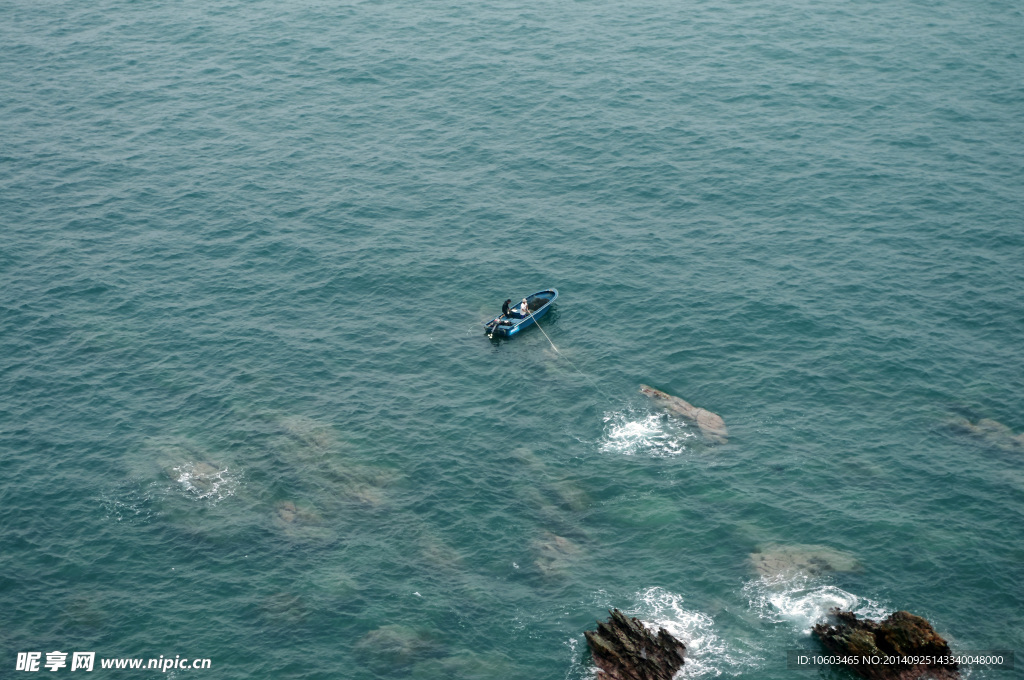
86	661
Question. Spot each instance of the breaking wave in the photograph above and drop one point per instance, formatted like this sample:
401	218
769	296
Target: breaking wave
633	433
707	654
203	481
705	650
803	600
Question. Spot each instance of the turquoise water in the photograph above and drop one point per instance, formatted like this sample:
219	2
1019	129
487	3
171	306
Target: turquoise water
248	412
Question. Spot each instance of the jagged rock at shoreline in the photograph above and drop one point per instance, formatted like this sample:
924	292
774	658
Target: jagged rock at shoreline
901	634
624	649
711	424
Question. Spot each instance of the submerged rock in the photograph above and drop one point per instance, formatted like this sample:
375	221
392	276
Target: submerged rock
624	649
990	431
285	608
464	666
289	513
358	484
901	634
312	433
329	583
365	495
198	478
570	496
711	424
396	645
540	481
437	553
301	522
526	456
555	554
193	470
813	560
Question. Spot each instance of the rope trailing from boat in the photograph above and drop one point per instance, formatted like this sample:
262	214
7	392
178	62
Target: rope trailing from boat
588	378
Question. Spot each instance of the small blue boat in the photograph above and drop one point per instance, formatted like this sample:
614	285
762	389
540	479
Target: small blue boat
506	326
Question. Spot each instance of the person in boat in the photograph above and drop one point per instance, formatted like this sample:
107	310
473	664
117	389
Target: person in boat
513	312
524	309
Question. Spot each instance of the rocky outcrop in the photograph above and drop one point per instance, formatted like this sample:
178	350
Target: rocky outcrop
901	634
711	424
624	649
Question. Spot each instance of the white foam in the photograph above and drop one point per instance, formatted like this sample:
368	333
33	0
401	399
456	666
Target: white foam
707	654
633	433
803	600
578	672
212	484
705	651
128	502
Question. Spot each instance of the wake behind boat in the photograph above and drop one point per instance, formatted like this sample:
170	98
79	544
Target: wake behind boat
507	325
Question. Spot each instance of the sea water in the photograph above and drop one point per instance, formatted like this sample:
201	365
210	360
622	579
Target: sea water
248	411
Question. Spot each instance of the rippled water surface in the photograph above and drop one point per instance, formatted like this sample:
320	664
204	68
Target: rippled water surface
248	412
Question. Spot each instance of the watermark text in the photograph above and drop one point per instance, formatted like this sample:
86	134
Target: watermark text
86	661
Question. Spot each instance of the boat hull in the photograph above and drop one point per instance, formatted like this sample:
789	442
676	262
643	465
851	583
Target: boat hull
506	327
